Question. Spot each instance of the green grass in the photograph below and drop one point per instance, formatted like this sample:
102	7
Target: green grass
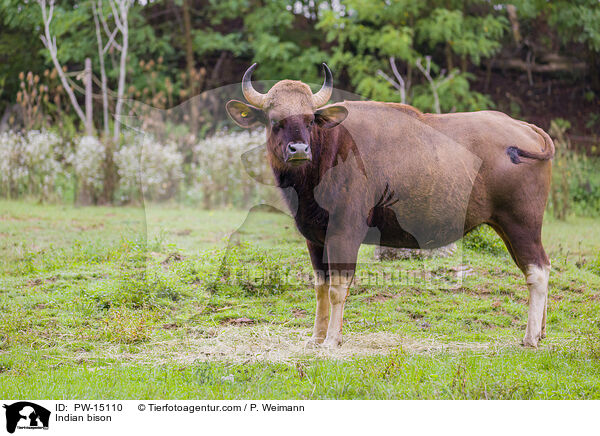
121	303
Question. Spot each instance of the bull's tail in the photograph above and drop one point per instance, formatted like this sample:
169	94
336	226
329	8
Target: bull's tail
516	153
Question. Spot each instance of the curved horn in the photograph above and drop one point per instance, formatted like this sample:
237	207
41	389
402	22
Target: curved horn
324	94
252	95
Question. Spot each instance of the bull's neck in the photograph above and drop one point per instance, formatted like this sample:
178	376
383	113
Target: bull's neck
301	181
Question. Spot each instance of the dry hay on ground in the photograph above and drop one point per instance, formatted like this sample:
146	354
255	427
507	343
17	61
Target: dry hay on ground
280	344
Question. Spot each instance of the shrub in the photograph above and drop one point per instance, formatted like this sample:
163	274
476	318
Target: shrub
575	178
229	168
88	163
30	164
484	240
594	265
157	167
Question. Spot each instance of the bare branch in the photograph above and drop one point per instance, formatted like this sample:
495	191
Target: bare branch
101	52
434	84
390	80
111	41
123	25
50	43
116	14
399	83
399	79
111	35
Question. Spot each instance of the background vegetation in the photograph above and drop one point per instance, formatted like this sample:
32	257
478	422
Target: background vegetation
536	60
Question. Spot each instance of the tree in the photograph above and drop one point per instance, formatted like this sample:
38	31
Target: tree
367	33
50	43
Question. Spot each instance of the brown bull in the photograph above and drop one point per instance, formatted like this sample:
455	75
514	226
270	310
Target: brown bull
385	173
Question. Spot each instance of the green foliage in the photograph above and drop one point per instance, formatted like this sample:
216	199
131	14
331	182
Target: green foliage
577	21
247	270
455	95
369	33
290	39
485	240
473	36
575	178
19	48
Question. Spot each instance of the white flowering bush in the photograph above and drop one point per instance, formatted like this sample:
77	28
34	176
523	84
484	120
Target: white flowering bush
156	167
225	168
88	163
30	164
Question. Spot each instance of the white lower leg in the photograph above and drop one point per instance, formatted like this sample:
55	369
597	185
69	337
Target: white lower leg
537	282
338	291
544	318
322	310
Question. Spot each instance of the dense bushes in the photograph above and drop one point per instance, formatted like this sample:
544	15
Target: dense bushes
228	169
484	240
222	170
30	164
575	179
146	163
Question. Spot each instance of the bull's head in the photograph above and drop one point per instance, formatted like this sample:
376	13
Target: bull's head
291	113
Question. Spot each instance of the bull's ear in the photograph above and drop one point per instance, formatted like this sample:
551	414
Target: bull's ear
245	115
331	116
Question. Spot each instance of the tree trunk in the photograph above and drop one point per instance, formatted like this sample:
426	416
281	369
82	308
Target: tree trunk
89	124
449	58
122	20
104	86
514	23
110	174
191	67
594	69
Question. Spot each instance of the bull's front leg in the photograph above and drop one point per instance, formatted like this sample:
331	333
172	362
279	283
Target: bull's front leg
321	273
322	310
342	251
338	292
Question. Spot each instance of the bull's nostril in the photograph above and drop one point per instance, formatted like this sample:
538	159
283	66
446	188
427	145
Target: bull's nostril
298	152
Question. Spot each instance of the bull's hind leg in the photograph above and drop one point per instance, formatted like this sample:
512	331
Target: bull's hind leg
537	282
524	242
322	292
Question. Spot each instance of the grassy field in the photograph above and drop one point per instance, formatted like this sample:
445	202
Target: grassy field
124	303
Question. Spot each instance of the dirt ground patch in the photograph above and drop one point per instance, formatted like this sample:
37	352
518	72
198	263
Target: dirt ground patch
278	344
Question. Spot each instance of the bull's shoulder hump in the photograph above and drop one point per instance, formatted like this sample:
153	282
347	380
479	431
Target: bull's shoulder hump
483	115
378	108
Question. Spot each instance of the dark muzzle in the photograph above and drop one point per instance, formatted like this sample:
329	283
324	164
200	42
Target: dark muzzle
298	152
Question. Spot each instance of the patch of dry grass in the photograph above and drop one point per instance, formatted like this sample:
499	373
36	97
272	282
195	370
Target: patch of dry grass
282	345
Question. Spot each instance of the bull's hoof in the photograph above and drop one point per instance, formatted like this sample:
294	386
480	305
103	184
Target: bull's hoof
530	342
332	343
314	342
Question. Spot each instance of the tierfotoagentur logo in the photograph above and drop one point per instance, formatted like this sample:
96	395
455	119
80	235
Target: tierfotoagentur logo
26	415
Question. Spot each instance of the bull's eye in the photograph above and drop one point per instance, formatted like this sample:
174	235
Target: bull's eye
275	124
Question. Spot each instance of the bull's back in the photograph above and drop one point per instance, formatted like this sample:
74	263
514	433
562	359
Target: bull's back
447	172
428	175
